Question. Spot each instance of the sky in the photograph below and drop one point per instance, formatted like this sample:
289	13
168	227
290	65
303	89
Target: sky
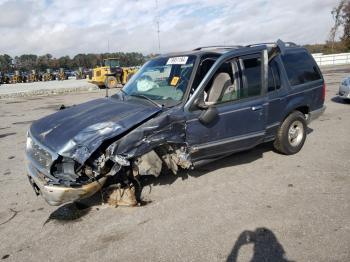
69	27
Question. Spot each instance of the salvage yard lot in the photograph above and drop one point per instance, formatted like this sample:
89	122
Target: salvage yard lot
296	207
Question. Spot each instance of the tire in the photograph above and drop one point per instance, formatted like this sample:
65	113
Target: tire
111	82
291	134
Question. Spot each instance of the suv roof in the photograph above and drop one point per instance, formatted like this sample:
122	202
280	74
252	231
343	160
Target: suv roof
226	48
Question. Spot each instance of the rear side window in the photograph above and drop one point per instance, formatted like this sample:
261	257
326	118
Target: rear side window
300	68
274	82
252	74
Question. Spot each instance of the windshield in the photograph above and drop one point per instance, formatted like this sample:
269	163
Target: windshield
164	78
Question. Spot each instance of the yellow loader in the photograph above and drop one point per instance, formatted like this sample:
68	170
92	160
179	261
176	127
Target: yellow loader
17	78
111	75
61	75
48	76
33	76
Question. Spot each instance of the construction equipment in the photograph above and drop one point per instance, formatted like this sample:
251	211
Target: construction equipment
33	76
24	77
61	75
4	78
111	75
79	74
48	76
16	78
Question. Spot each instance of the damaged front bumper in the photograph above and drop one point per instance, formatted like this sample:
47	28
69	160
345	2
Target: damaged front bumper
56	194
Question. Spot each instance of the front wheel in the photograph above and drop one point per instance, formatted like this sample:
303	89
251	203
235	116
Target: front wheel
292	134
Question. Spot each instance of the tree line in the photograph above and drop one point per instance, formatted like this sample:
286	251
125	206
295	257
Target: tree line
341	19
28	62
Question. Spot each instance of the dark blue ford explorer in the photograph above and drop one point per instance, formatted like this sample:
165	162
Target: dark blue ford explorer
178	111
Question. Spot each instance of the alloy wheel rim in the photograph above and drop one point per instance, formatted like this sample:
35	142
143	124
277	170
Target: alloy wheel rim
295	133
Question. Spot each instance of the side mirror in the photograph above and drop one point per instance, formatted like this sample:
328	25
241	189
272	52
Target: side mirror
208	116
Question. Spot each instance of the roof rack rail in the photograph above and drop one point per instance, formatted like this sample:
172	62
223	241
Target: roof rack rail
273	44
218	47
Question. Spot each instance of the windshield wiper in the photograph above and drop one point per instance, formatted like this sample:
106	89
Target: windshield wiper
147	98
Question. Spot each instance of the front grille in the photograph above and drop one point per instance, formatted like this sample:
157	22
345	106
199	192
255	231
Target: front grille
40	156
98	73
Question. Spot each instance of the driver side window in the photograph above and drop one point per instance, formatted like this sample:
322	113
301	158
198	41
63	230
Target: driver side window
236	79
224	86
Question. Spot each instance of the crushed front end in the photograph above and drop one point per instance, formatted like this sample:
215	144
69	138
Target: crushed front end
56	179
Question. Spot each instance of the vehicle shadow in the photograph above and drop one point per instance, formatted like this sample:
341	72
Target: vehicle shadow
73	212
266	246
339	100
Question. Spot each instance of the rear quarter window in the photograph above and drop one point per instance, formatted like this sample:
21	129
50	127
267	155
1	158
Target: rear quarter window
300	68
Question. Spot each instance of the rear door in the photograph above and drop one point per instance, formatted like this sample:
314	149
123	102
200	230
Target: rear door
241	111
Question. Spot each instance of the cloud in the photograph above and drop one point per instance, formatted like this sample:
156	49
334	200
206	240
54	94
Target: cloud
63	27
14	15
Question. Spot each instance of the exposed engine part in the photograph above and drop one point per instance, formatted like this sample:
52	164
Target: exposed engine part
100	162
64	171
121	160
115	195
70	173
114	170
151	163
179	158
148	164
88	171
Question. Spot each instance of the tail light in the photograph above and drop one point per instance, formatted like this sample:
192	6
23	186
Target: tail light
324	91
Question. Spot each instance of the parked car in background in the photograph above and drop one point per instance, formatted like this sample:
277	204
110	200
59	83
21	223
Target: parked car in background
344	89
180	110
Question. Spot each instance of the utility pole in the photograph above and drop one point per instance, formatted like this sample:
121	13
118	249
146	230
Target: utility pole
157	23
109	65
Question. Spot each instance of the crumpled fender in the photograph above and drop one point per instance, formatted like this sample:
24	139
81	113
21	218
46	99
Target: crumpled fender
169	127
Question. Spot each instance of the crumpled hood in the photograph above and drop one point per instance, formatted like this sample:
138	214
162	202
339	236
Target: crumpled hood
76	132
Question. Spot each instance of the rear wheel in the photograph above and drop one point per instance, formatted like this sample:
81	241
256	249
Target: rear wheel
111	82
292	134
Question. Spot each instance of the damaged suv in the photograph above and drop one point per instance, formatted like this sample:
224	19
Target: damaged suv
178	111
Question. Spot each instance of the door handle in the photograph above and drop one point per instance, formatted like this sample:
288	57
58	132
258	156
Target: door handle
256	108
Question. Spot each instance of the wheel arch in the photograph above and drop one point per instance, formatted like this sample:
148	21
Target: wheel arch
303	108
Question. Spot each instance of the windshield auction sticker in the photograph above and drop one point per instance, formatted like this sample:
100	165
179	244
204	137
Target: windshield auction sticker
180	60
174	81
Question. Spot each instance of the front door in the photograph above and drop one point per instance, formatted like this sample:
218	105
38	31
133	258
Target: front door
241	110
